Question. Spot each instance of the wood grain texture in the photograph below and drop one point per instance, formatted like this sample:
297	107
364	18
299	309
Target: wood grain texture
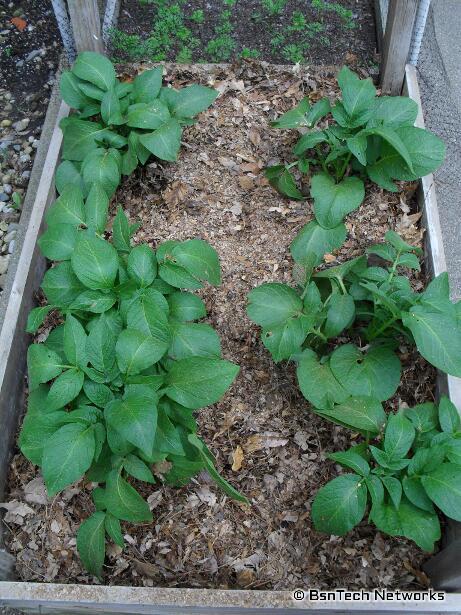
13	338
46	598
86	25
396	45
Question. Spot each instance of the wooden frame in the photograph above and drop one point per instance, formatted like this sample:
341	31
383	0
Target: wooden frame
27	278
73	598
398	31
86	25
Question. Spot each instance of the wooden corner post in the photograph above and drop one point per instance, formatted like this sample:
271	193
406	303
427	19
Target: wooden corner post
86	25
396	46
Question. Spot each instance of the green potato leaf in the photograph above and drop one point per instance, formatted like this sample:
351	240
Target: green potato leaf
273	304
103	167
91	543
95	262
333	201
43	364
373	373
135	419
75	342
317	382
165	141
142	265
123	501
407	520
365	414
67	456
340	314
68	208
146	85
192	100
437	336
340	505
193	340
148	116
448	415
399	436
196	382
316	240
185	306
95	68
58	242
443	486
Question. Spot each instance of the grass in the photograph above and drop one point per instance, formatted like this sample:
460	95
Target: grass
171	33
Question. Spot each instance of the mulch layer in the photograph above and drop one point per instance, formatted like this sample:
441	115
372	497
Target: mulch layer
267	442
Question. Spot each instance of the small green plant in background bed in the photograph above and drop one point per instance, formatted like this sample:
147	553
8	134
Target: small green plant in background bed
295	40
273	7
119	125
342	325
334	7
125	45
198	16
113	389
249	53
221	47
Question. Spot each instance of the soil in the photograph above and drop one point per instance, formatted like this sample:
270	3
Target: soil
28	26
267	442
29	56
254	28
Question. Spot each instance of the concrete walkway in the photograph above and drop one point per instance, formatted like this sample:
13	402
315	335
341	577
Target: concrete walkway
439	68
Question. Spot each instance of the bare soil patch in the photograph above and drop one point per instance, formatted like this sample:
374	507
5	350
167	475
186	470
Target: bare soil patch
267	442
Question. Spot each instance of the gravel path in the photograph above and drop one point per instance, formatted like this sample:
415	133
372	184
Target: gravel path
29	53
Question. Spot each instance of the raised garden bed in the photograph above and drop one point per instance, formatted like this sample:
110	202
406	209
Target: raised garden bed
266	444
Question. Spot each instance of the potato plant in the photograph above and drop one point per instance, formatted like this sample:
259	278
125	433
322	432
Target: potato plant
118	125
409	466
366	137
114	387
343	324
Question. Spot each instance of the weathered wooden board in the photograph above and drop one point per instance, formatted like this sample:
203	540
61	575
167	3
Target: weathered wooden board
396	44
50	598
86	25
29	273
445	567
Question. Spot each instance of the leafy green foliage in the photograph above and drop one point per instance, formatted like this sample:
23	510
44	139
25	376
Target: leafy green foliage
376	302
410	462
371	137
410	470
118	125
113	387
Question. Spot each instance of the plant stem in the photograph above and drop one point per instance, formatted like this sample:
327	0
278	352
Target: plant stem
321	158
383	327
394	267
341	285
345	165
